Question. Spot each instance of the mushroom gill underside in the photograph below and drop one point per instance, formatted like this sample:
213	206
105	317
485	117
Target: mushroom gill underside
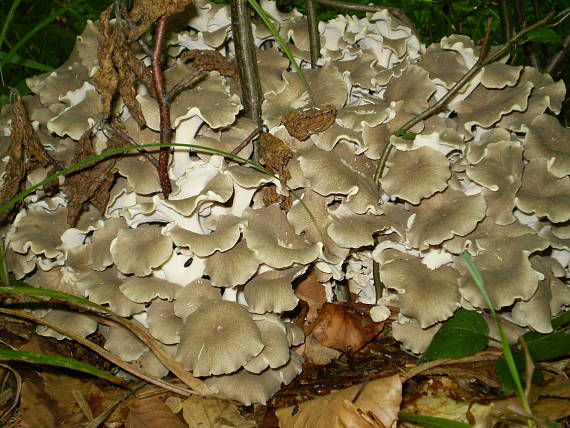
210	271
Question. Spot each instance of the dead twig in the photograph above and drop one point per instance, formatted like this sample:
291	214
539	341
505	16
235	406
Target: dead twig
103	352
245	142
183	84
163	106
128	139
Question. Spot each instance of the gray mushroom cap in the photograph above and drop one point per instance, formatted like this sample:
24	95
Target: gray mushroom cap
218	338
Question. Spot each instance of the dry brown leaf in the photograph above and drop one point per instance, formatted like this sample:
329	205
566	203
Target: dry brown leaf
151	413
312	291
90	184
315	353
302	124
37	408
119	68
211	413
209	60
26	154
344	326
106	78
360	406
130	69
145	13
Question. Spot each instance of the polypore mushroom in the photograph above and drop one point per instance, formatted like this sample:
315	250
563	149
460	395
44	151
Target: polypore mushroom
416	174
272	291
273	239
232	267
143	290
193	295
218	338
546	138
505	268
542	193
444	215
163	324
139	250
249	388
275	351
427	295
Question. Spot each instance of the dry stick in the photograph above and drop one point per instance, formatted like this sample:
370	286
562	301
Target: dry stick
247	63
128	139
245	142
182	84
482	62
556	60
163	106
314	36
528	47
506	23
103	352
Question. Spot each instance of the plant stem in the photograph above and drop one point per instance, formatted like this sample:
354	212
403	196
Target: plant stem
164	107
245	142
314	36
246	59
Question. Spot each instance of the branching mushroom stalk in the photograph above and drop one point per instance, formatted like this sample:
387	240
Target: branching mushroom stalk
161	97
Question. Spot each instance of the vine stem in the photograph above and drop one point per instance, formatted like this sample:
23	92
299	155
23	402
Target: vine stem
163	106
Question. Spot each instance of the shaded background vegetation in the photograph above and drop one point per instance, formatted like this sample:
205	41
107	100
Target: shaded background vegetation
52	25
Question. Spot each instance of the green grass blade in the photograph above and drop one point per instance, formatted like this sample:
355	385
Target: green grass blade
504	342
28	63
36	29
431	421
265	17
8	20
42	292
56	360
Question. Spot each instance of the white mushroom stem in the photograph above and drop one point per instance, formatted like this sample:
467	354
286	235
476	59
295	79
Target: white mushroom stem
185	133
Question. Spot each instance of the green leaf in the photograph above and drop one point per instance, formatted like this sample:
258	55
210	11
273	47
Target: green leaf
561	321
543	347
431	421
56	360
509	384
41	292
544	35
463	334
405	134
16	59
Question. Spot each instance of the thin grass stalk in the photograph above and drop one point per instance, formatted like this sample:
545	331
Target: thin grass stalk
8	20
314	36
478	279
268	21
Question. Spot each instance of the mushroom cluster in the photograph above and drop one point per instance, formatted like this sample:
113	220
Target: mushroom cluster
210	271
